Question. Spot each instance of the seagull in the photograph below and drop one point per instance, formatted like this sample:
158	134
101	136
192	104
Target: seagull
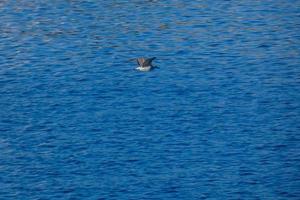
145	64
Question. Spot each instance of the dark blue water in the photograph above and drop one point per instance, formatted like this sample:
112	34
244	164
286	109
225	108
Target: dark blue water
219	119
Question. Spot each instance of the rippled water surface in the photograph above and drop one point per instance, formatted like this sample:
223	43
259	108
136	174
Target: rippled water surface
219	118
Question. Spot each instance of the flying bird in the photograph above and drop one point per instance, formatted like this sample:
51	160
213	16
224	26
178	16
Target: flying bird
145	64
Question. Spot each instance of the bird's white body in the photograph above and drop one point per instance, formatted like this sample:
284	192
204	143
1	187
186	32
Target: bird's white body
144	69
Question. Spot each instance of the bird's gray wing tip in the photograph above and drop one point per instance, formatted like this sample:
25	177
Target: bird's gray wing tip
149	61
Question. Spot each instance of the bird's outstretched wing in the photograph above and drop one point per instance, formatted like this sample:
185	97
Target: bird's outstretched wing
145	62
148	62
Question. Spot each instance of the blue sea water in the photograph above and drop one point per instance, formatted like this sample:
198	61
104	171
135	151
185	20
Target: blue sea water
219	119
